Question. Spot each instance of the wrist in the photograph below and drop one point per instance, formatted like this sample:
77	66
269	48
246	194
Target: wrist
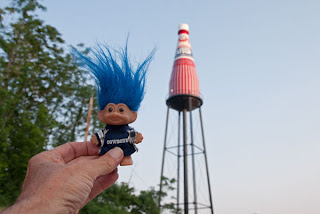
31	206
19	207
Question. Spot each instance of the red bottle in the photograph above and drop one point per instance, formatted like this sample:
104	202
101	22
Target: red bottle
184	79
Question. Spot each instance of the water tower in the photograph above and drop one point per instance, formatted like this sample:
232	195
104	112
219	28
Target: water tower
184	99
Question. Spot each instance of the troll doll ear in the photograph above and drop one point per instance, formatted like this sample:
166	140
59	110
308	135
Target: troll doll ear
134	116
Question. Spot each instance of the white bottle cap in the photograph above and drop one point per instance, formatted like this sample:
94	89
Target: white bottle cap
184	27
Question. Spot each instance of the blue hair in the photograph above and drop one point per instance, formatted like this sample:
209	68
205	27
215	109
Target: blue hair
116	83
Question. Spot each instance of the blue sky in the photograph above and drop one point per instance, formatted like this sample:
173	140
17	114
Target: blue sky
259	71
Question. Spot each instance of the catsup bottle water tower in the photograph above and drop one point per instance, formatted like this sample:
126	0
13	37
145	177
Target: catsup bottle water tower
184	98
184	83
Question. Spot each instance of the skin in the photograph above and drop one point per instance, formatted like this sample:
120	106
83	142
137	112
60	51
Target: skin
118	114
64	179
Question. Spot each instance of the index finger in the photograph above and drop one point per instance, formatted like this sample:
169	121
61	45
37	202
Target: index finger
70	151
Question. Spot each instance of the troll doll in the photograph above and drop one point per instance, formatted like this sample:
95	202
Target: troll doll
120	91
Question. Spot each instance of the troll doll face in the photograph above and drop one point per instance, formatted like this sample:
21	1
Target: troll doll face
117	114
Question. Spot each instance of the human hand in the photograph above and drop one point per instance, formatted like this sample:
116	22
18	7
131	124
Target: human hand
139	138
94	140
64	179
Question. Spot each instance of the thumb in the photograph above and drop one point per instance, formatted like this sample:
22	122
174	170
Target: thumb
107	162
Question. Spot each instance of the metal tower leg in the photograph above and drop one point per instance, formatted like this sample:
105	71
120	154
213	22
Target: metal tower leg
185	162
178	163
193	163
206	160
163	156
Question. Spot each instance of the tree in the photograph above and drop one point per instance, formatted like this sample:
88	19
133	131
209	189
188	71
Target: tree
122	199
43	97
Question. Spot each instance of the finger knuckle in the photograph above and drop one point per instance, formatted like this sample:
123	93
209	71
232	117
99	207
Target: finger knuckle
34	160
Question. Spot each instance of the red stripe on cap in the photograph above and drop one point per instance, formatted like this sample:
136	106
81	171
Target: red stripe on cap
183	31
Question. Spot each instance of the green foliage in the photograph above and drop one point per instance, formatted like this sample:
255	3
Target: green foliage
122	199
167	186
43	94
